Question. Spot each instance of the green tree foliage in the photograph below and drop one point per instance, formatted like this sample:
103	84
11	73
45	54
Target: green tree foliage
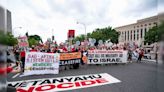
161	31
34	39
7	39
79	38
10	40
101	34
155	34
2	38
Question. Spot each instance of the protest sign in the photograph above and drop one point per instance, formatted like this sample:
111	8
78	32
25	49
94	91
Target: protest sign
41	63
71	33
92	42
100	42
106	56
70	58
86	42
64	83
77	43
23	42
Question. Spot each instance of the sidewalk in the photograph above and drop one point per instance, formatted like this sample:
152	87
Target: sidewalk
151	60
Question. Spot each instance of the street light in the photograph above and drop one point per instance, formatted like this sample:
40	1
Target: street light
15	29
84	28
53	37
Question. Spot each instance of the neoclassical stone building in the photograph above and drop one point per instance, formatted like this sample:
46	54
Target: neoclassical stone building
135	32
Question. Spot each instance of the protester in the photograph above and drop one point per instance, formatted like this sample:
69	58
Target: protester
22	58
130	55
141	54
73	49
135	55
33	49
65	48
56	50
16	52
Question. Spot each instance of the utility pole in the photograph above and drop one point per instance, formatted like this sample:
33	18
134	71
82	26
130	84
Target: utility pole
53	38
85	29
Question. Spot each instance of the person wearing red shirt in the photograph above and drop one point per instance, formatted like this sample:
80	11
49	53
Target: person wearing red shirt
22	58
141	54
33	50
64	49
73	49
92	48
22	54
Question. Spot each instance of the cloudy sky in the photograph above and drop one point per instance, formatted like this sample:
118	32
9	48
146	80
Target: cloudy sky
41	16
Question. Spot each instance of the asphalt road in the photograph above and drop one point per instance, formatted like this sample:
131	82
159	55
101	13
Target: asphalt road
135	77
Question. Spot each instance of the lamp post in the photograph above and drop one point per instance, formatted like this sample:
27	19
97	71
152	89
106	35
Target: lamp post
53	37
15	29
84	29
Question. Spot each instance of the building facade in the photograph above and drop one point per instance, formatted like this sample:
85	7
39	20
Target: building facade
134	33
5	20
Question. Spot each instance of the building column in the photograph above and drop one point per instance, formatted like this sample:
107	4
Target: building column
126	36
132	35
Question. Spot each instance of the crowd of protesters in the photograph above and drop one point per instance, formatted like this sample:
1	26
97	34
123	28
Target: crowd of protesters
133	51
20	53
17	54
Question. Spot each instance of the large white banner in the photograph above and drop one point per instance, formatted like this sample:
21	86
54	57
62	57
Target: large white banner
107	56
41	63
63	83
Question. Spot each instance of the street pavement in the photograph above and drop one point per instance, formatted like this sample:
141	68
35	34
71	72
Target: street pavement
134	77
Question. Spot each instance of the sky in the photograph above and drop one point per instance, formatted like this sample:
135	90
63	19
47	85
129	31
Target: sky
42	16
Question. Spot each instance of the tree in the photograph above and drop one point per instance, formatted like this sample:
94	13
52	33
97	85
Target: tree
34	40
2	37
10	40
102	34
155	34
152	36
161	31
7	39
36	37
79	38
